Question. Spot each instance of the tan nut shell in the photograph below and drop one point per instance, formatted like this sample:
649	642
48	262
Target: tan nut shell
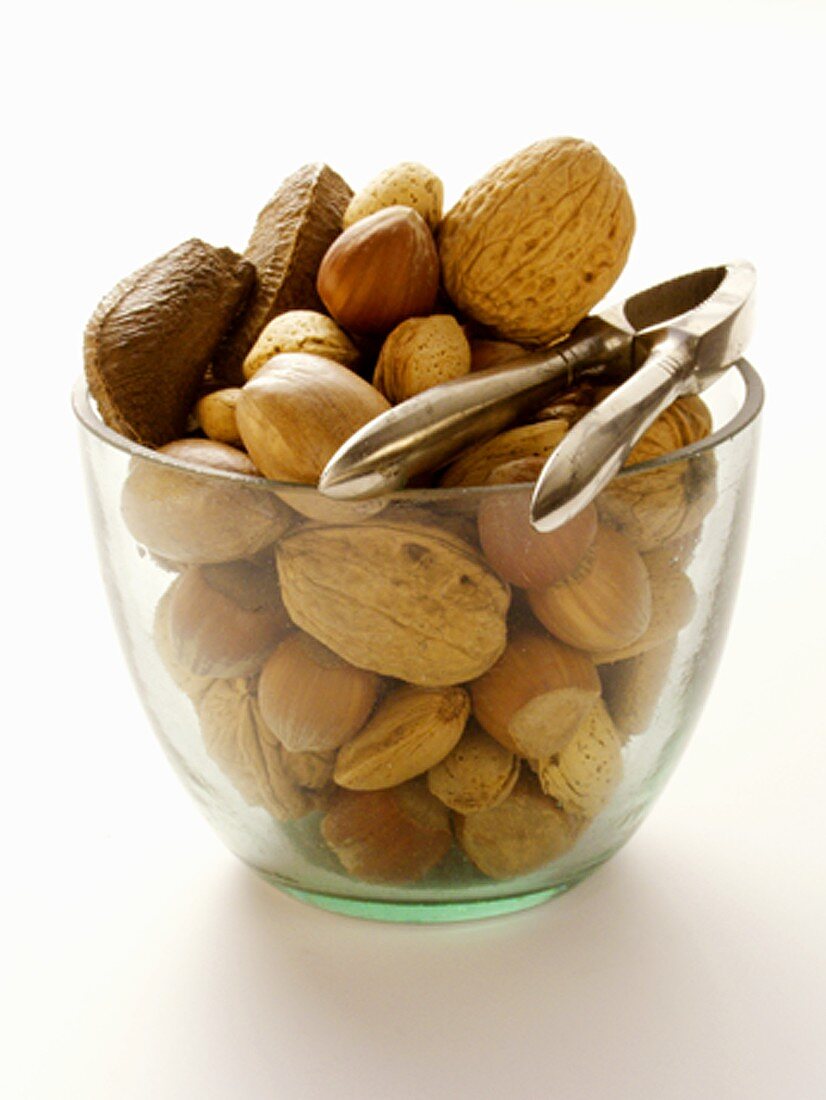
196	518
395	835
401	599
477	774
215	415
190	684
586	772
212	634
237	739
419	353
296	412
405	184
518	552
632	689
664	504
605	604
536	694
412	729
538	240
303	330
519	835
310	698
529	441
673	602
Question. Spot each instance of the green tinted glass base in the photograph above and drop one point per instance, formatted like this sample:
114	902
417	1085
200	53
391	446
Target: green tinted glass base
424	912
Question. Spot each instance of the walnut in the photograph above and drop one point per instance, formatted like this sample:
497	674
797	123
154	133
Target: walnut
538	241
238	740
402	599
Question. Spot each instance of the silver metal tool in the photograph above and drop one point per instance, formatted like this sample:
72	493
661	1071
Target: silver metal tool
666	324
681	357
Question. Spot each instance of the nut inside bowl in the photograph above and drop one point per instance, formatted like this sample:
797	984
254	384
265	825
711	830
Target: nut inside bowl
401	708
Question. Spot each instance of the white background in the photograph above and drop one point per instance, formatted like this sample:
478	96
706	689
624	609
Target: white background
139	959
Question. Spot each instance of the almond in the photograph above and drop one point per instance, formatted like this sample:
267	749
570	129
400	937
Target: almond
412	729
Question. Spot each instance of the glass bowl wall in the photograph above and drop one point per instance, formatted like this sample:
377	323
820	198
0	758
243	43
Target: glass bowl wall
278	809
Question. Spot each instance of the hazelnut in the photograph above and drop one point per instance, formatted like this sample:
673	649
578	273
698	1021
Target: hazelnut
213	635
536	694
311	699
394	835
380	271
673	601
192	517
632	688
521	554
605	604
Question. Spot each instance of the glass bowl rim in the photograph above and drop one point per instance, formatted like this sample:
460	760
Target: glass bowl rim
745	415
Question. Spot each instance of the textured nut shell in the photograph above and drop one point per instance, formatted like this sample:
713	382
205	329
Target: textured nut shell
295	414
586	772
659	506
215	415
310	698
529	441
419	353
237	739
477	774
632	689
673	602
149	342
485	354
407	184
380	271
539	240
394	835
291	234
519	835
192	685
524	556
402	599
536	694
310	769
212	635
303	330
605	604
191	517
412	729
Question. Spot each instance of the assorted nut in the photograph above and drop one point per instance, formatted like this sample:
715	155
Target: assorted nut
425	675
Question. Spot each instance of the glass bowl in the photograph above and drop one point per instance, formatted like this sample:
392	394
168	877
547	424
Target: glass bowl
370	716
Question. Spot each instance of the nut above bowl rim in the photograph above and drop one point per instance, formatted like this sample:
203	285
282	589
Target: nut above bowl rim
749	409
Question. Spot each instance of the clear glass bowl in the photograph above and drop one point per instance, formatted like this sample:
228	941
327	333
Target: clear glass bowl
327	772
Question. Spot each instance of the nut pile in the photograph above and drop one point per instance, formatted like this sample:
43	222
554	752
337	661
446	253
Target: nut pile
425	672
